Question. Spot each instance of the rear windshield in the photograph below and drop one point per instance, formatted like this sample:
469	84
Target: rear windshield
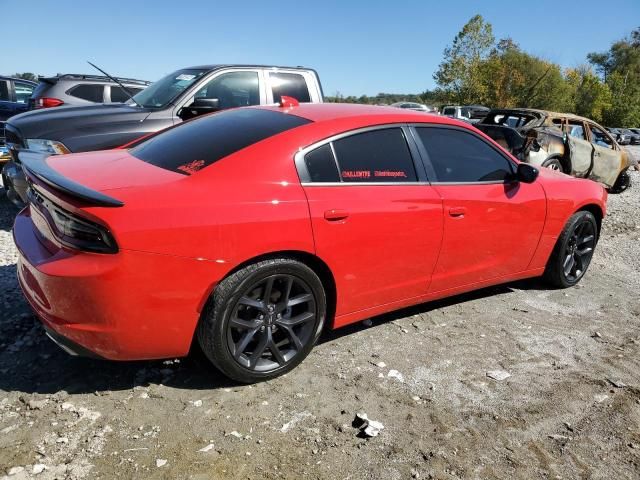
197	144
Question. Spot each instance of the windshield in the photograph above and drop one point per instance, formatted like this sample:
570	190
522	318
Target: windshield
168	88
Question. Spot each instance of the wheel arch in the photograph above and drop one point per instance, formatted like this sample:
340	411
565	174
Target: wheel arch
565	162
596	211
314	262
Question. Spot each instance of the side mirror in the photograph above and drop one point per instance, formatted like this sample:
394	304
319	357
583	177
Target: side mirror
199	107
527	173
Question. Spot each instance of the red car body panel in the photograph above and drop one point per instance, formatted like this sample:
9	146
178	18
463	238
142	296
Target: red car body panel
178	236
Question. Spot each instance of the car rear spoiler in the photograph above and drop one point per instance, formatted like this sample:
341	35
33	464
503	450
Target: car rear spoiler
35	165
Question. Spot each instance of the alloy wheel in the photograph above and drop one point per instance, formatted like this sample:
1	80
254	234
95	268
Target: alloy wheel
579	250
271	322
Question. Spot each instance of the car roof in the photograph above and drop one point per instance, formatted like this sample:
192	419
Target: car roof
544	113
242	65
325	112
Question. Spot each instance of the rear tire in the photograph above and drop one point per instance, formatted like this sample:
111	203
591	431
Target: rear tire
573	251
263	320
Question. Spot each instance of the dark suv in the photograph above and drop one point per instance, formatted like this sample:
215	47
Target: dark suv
14	98
78	90
179	96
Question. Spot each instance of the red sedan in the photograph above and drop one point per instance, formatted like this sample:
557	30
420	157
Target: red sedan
254	229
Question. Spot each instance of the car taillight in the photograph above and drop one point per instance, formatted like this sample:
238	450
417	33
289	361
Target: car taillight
72	230
47	102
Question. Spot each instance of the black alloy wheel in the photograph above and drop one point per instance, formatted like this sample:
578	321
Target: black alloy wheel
579	250
573	251
263	319
271	323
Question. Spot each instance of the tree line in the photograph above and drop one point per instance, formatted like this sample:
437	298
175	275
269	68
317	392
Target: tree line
477	69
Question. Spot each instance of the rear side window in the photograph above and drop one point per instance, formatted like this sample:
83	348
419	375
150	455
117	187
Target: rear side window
23	91
4	91
290	85
457	156
199	143
321	165
118	95
91	93
375	156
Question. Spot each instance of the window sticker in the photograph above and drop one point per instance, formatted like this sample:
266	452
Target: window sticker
356	174
390	173
191	167
185	76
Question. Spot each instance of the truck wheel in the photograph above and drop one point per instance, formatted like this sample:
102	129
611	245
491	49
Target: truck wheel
573	251
263	320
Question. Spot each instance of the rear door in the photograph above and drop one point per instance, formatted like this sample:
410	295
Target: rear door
580	149
376	221
6	100
607	158
491	224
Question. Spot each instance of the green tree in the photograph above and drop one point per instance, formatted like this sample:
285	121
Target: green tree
27	76
460	74
620	68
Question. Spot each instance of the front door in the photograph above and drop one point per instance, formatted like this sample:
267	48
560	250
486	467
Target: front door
607	160
375	223
580	149
492	224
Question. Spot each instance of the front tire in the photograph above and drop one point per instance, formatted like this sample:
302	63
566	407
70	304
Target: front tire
573	251
263	320
553	164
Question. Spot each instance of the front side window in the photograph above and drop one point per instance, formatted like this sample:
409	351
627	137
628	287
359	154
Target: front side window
576	130
23	91
233	89
449	112
194	145
375	156
4	91
461	157
290	85
91	93
599	137
169	88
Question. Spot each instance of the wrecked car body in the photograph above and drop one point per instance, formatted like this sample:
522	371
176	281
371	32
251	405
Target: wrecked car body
574	145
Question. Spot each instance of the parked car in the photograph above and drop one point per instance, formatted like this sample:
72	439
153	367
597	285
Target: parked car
418	107
179	96
621	137
72	89
469	113
560	141
245	230
14	97
634	138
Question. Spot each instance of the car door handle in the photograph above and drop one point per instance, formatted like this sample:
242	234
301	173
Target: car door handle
457	212
334	215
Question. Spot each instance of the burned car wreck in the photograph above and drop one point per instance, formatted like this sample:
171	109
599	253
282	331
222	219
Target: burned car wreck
568	143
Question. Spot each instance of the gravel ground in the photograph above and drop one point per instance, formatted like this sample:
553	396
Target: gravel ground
569	409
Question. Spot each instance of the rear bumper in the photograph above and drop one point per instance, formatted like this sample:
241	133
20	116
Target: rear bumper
124	306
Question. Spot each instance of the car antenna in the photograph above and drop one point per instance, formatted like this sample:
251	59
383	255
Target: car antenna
127	91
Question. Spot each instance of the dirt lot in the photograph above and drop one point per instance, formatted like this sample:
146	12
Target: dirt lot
570	409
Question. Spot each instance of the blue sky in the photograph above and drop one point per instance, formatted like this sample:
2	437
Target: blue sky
359	46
